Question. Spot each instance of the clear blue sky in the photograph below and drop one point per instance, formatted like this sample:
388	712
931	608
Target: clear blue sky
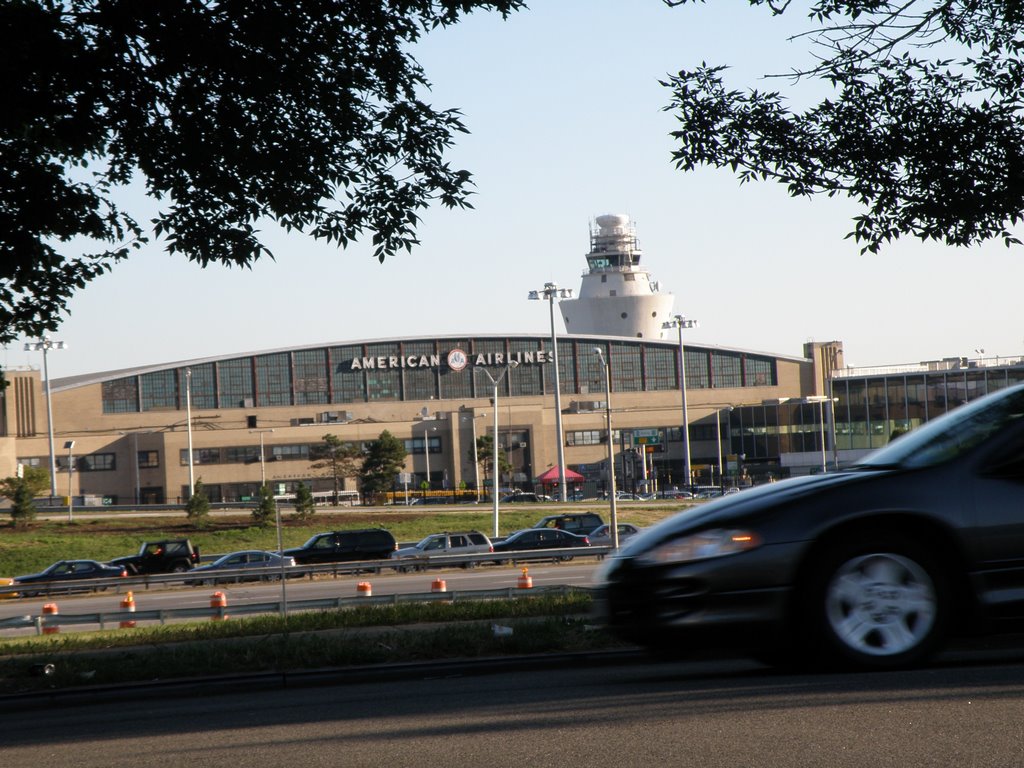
565	111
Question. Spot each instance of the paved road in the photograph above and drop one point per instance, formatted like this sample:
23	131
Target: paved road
723	713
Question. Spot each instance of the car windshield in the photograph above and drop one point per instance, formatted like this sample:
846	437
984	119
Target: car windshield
951	435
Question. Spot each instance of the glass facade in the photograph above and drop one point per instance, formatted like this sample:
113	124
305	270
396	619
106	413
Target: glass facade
418	370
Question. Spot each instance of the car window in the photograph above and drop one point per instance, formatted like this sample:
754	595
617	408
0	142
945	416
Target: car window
458	541
951	435
434	542
324	542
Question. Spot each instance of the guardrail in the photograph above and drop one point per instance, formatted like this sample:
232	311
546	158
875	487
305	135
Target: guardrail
115	618
226	576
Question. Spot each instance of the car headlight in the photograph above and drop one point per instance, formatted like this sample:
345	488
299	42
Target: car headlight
701	546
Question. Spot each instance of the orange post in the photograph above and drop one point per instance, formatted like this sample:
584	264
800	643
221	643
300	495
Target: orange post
50	609
219	603
364	589
439	585
128	606
525	580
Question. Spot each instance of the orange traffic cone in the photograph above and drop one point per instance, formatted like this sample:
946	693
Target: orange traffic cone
50	609
364	589
128	605
525	581
219	603
439	585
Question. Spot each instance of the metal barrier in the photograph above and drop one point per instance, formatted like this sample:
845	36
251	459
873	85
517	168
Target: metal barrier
114	618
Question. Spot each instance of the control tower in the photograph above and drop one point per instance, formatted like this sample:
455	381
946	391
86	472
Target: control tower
617	296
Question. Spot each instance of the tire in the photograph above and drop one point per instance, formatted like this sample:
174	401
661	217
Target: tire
179	568
565	558
880	603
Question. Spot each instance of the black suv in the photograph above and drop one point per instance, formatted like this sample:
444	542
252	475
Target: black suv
167	556
345	546
580	523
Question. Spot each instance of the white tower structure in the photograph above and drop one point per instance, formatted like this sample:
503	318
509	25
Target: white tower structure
617	296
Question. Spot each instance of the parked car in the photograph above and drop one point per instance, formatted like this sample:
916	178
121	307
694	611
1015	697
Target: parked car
459	543
165	556
541	538
575	522
525	498
237	561
63	573
345	546
601	536
676	494
873	567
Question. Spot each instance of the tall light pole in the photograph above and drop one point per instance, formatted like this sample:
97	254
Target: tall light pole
613	525
188	417
494	445
551	291
44	345
718	434
682	323
263	466
821	400
427	429
476	456
70	445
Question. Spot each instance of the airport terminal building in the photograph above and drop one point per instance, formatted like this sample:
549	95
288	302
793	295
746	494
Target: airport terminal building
234	421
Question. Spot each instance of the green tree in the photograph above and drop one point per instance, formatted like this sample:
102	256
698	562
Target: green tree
197	508
266	507
336	459
485	453
384	459
304	506
922	125
306	113
22	491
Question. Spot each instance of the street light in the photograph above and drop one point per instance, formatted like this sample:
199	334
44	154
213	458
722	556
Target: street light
494	445
135	463
681	323
821	400
44	345
427	429
476	456
263	466
718	433
550	292
613	526
188	416
70	444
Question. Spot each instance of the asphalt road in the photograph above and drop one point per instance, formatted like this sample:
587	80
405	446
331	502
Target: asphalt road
965	711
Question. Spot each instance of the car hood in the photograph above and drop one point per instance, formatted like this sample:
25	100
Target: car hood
30	576
743	506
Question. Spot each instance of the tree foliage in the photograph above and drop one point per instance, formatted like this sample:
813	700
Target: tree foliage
923	127
485	454
22	491
266	507
197	508
305	507
384	459
307	113
337	459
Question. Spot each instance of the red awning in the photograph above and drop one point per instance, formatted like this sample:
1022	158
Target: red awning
552	476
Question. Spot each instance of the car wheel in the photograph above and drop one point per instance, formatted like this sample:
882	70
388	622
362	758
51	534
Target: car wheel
879	604
179	568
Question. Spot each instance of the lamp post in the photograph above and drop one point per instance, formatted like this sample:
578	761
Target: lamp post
44	345
476	457
613	526
718	433
188	417
70	444
550	292
135	462
263	466
821	400
427	429
682	323
494	445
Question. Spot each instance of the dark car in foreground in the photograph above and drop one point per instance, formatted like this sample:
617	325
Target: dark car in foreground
873	567
532	539
65	575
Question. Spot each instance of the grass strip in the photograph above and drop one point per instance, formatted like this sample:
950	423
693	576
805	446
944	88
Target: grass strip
336	638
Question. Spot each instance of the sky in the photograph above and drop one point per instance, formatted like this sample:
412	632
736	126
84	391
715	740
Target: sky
567	123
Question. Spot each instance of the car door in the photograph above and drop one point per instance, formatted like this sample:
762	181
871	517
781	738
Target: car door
996	498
